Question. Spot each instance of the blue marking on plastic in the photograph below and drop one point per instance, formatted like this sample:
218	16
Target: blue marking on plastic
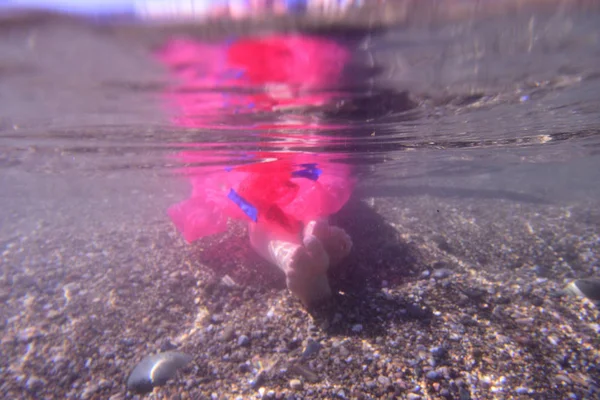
228	169
246	207
310	171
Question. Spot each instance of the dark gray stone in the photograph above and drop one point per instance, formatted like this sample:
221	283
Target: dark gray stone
156	370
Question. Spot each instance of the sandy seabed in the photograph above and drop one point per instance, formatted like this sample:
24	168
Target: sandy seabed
448	294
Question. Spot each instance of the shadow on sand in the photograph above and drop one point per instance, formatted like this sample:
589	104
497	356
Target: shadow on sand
379	258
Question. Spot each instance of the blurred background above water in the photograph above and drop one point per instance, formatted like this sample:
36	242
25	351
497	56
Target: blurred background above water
375	80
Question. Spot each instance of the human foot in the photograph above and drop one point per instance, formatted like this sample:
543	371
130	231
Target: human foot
335	240
305	267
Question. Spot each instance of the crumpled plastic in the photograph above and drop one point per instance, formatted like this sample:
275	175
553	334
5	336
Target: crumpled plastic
281	200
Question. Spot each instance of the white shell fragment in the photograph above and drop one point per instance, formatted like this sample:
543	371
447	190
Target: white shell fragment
156	370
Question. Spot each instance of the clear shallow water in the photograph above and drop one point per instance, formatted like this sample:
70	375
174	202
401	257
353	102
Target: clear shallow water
475	140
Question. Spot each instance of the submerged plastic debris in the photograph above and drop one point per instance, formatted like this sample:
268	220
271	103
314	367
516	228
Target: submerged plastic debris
277	193
156	370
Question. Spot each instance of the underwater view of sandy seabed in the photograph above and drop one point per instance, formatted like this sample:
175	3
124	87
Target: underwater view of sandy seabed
301	200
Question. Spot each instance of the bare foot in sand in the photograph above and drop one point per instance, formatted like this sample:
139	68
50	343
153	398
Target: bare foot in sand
305	268
305	264
335	240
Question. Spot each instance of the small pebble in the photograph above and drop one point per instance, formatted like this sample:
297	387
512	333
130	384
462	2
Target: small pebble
564	379
243	340
227	334
486	382
228	281
344	352
438	352
28	334
418	311
384	381
35	384
522	390
128	342
537	302
312	347
432	375
54	314
296	384
464	394
244	367
441	273
524	321
270	313
553	340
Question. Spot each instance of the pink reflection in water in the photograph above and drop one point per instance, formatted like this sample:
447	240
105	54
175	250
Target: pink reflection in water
251	75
